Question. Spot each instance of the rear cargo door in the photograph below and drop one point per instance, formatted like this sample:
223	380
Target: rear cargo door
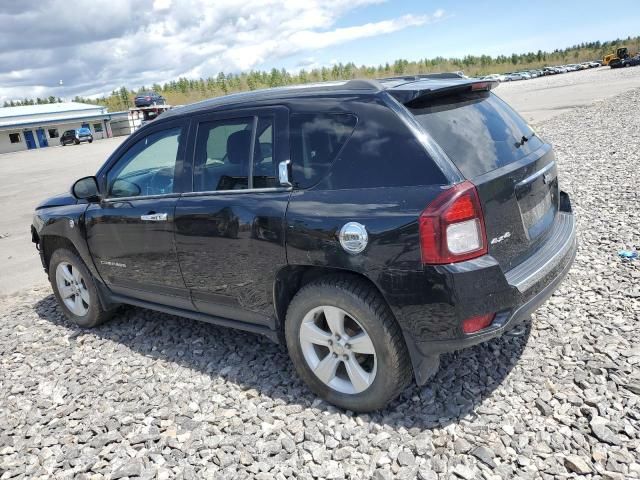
514	170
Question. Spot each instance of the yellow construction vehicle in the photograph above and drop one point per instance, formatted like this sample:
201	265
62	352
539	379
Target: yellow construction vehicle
620	55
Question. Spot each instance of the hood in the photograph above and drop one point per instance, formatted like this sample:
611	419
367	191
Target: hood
59	201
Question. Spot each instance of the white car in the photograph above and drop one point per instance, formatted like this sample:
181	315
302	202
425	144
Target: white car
512	77
495	77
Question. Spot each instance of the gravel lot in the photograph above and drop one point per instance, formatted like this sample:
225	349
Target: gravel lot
153	396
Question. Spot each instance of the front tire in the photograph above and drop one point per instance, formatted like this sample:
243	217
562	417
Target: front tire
75	290
346	345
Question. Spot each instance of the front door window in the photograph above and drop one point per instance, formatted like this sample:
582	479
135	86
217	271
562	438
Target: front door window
148	168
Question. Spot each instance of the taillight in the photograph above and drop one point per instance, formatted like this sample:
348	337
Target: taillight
452	226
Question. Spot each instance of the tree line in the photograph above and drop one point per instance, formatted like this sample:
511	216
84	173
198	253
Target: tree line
188	90
31	101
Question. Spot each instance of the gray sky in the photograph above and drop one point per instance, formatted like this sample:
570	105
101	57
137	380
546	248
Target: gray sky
97	46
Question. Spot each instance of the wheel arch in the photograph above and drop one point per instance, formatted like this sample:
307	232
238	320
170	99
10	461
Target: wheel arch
49	243
291	278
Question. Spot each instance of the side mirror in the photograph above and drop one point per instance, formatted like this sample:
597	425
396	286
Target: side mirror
283	173
124	188
86	189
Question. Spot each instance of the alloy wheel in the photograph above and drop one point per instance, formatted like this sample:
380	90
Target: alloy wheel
72	289
338	350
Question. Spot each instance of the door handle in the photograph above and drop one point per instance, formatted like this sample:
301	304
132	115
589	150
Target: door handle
154	217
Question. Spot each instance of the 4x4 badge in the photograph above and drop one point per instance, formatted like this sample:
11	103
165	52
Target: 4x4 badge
502	237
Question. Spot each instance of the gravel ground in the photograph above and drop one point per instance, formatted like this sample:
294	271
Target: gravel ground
154	396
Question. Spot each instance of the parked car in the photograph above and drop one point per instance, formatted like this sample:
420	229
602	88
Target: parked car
497	77
625	62
149	99
384	223
76	136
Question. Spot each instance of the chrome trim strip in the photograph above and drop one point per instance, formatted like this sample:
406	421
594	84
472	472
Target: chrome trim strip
242	190
196	194
545	260
535	175
140	197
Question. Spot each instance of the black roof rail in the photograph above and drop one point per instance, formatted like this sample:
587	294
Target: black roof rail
363	84
435	76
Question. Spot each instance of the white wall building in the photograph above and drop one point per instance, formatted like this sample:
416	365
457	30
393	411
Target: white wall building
40	126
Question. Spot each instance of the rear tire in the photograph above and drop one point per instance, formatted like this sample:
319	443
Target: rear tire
75	290
76	141
365	366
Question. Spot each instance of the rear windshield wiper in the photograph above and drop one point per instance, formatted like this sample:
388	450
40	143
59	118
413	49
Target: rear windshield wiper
524	139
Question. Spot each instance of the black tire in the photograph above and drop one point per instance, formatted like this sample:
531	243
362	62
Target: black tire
91	141
95	314
362	302
76	141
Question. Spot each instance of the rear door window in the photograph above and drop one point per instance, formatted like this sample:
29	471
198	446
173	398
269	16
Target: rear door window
222	155
316	140
478	131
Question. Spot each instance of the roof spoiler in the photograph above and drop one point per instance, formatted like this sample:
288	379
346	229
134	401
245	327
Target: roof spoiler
434	76
412	98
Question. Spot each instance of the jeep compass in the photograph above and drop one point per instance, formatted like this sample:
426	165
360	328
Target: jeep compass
369	226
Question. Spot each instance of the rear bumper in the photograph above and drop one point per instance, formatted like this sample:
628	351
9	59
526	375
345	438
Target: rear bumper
506	320
478	287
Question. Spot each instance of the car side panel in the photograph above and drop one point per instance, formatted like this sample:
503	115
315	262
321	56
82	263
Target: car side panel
230	247
67	222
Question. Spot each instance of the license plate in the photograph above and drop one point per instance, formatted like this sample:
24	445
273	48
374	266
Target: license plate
539	210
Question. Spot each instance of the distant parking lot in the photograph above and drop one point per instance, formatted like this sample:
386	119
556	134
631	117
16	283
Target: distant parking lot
28	177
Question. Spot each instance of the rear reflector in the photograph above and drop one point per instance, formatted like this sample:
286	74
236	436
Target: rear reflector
473	324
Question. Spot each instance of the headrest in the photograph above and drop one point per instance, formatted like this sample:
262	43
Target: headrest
238	146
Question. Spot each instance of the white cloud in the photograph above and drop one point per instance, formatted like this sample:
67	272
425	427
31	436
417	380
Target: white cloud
110	43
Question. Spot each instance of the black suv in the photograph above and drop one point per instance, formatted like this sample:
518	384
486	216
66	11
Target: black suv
76	136
368	225
148	99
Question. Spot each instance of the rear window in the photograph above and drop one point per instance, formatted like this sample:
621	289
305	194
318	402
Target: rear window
316	140
478	131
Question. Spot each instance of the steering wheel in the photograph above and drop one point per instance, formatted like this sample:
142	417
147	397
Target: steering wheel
161	181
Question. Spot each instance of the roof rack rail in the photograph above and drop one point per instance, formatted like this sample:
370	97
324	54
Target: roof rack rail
425	75
363	84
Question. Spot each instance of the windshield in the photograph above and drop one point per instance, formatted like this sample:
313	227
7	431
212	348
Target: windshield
478	131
